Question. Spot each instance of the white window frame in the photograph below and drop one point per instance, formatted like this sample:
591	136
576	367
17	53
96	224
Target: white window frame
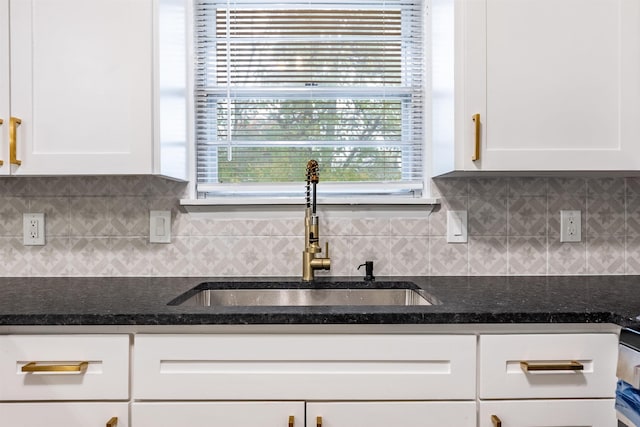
192	203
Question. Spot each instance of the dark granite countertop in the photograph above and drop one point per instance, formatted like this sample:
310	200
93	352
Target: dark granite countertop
475	300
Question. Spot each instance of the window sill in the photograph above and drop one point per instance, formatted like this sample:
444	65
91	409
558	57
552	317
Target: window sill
290	204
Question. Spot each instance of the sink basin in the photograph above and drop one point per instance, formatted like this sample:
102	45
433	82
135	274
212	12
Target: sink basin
209	295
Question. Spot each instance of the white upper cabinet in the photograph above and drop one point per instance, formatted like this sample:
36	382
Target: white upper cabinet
81	84
4	87
556	84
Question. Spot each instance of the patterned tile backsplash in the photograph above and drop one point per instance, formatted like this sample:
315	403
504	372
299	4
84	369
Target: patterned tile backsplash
98	226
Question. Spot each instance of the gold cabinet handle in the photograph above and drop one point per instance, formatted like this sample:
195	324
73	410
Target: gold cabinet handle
113	422
496	421
1	162
476	147
76	367
318	421
14	122
564	366
291	420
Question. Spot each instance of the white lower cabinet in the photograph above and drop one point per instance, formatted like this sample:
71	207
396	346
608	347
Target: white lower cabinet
40	414
292	414
387	414
227	414
339	380
543	366
572	375
64	367
64	380
548	413
304	367
281	379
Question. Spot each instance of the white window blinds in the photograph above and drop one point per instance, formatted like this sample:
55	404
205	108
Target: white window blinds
279	83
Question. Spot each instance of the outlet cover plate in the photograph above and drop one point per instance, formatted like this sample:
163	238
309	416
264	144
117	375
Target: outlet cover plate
570	226
33	229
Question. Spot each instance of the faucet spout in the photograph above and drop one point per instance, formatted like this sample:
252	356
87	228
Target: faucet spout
311	262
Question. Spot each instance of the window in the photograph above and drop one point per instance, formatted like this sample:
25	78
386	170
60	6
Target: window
279	83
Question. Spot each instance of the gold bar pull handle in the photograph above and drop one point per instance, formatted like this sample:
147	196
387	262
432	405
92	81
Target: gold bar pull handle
318	421
14	122
545	366
476	144
291	420
35	367
113	422
1	161
496	421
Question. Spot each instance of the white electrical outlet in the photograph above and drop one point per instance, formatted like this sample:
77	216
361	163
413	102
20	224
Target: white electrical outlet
570	226
33	229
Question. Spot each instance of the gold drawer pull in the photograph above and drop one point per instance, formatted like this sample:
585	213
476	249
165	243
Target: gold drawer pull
291	420
13	141
564	366
476	144
318	421
34	367
113	422
496	421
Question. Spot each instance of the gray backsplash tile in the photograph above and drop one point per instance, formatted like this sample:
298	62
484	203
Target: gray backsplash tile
519	187
527	216
566	258
487	216
98	226
527	255
488	256
11	210
448	259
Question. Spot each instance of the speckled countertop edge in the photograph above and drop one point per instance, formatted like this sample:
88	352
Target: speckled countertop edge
473	300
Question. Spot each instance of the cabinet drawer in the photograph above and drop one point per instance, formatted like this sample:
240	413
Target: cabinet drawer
304	366
549	413
64	414
207	414
105	375
386	414
549	356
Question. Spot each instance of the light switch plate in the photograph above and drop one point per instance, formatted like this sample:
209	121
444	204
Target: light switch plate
456	226
159	226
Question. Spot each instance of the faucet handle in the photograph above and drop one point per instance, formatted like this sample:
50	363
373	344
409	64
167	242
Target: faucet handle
326	252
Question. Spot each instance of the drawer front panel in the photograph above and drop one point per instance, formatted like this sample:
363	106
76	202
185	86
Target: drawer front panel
552	361
386	414
207	414
304	366
105	377
64	414
549	413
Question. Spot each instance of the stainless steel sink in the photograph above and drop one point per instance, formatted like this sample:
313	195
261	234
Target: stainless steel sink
307	297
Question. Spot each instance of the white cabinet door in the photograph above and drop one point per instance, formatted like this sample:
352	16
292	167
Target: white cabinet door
386	414
556	84
4	87
81	83
549	413
64	414
227	414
